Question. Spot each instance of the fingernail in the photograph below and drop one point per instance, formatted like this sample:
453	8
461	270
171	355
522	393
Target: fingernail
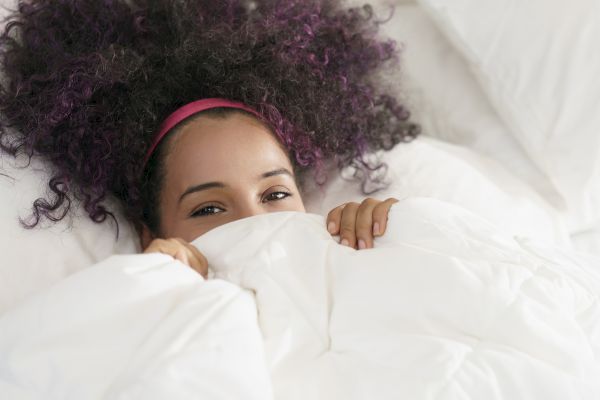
362	244
331	227
376	228
345	242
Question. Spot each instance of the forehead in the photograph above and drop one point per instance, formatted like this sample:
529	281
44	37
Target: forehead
227	148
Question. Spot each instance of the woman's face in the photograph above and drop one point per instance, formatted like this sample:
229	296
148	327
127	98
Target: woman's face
219	170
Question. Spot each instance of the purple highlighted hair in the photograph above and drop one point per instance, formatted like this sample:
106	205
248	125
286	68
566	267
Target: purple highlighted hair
87	83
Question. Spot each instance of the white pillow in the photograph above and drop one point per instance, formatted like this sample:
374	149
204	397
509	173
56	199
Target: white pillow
427	167
33	259
538	62
447	101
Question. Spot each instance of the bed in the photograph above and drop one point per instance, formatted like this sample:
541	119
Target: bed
486	286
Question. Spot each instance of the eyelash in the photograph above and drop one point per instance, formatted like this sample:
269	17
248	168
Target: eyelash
286	195
201	212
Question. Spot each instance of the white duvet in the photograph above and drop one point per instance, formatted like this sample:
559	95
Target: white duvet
444	307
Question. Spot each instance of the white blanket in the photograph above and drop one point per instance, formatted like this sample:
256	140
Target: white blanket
444	307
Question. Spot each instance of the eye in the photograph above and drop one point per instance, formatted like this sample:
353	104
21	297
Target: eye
207	210
275	196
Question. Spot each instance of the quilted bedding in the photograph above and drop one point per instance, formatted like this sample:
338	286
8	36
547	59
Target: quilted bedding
445	307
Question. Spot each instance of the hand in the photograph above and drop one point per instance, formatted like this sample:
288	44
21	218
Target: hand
180	250
357	224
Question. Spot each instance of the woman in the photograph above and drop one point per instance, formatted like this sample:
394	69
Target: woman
88	84
220	167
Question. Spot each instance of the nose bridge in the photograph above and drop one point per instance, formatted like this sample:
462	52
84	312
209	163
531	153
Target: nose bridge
249	207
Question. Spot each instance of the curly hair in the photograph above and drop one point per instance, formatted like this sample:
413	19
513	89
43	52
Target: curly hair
86	84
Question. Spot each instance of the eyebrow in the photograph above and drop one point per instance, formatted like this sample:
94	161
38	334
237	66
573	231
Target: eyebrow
280	171
211	185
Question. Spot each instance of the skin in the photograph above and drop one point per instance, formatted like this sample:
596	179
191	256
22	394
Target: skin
219	170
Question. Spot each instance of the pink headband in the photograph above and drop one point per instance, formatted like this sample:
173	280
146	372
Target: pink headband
188	110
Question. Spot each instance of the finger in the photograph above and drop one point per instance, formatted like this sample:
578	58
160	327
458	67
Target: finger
154	246
197	261
333	220
178	250
162	246
181	255
364	223
380	216
170	247
348	225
